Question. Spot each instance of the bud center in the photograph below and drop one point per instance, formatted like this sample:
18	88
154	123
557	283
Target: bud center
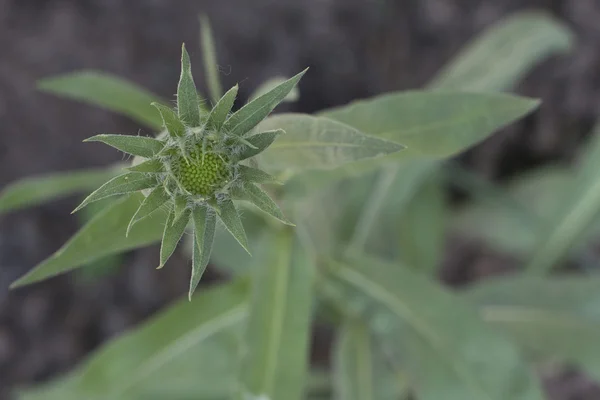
200	175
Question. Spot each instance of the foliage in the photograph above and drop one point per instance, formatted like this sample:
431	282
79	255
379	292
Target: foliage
364	185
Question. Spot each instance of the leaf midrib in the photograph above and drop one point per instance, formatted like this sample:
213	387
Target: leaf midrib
365	365
591	197
424	129
278	318
404	312
331	144
532	315
182	344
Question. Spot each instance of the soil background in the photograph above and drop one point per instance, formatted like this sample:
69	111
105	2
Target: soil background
356	48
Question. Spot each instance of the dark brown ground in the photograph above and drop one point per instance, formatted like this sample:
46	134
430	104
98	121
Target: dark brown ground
355	48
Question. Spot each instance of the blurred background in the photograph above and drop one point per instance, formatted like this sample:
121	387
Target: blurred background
355	48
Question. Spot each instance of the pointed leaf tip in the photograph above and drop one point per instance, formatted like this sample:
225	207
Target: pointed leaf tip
258	109
171	121
204	233
188	105
142	146
122	184
261	141
231	219
255	175
221	110
209	55
263	201
106	91
151	203
172	235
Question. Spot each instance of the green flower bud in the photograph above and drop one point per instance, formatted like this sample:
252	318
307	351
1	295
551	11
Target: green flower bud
202	174
193	169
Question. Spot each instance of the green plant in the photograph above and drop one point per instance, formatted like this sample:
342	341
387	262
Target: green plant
193	168
362	256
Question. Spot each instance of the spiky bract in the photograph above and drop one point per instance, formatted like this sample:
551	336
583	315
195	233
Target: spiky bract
192	169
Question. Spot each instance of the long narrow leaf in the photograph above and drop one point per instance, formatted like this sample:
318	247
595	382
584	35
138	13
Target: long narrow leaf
221	110
502	55
278	334
107	91
135	145
580	206
438	338
232	221
204	229
151	203
422	227
361	371
171	121
434	124
188	106
153	166
272	83
209	54
260	142
520	211
252	113
261	199
122	184
556	318
174	229
38	189
103	235
319	143
187	351
394	187
255	175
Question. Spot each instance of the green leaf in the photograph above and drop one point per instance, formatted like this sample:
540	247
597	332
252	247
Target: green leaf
210	59
382	205
260	141
525	38
156	198
188	106
135	145
501	56
174	229
319	143
152	166
519	211
205	222
221	110
122	184
261	199
252	113
278	332
231	219
254	175
272	83
181	205
446	349
318	218
436	124
106	91
188	351
171	121
361	372
230	257
555	317
34	190
103	235
422	227
579	208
